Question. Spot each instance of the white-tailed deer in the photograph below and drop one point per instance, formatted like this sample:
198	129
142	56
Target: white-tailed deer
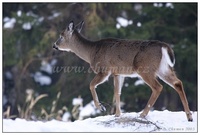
124	58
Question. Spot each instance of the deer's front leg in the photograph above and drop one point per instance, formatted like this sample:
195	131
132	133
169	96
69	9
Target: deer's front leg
98	79
118	83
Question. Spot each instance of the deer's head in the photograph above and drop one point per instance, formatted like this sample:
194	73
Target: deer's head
66	37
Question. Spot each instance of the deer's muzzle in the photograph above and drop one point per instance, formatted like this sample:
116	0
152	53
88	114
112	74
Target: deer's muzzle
55	47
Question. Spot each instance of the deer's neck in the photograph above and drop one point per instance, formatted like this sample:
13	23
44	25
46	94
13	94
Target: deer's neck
82	47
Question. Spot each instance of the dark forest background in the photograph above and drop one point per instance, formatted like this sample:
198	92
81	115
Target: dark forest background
27	54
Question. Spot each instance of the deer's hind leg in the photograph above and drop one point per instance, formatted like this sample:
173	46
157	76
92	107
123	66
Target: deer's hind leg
170	78
156	88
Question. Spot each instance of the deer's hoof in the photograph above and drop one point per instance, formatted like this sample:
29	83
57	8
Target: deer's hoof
117	115
143	115
102	108
189	117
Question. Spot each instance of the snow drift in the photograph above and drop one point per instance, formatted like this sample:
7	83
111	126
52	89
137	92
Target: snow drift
156	121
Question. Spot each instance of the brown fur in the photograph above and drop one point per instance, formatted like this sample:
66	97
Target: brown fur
122	58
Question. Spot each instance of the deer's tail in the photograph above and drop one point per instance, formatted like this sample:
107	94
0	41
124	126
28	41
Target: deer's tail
168	54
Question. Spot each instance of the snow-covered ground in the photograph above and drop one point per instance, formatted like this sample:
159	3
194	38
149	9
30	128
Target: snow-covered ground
156	121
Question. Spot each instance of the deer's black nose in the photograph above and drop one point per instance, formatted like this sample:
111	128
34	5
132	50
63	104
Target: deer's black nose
55	47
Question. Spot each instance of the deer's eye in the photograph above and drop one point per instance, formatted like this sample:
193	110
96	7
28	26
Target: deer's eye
61	37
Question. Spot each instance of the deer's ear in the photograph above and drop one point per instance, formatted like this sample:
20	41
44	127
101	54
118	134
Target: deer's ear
80	26
71	27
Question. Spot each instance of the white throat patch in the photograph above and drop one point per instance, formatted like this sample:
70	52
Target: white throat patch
68	50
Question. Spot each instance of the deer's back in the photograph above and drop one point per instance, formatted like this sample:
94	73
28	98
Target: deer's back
127	53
